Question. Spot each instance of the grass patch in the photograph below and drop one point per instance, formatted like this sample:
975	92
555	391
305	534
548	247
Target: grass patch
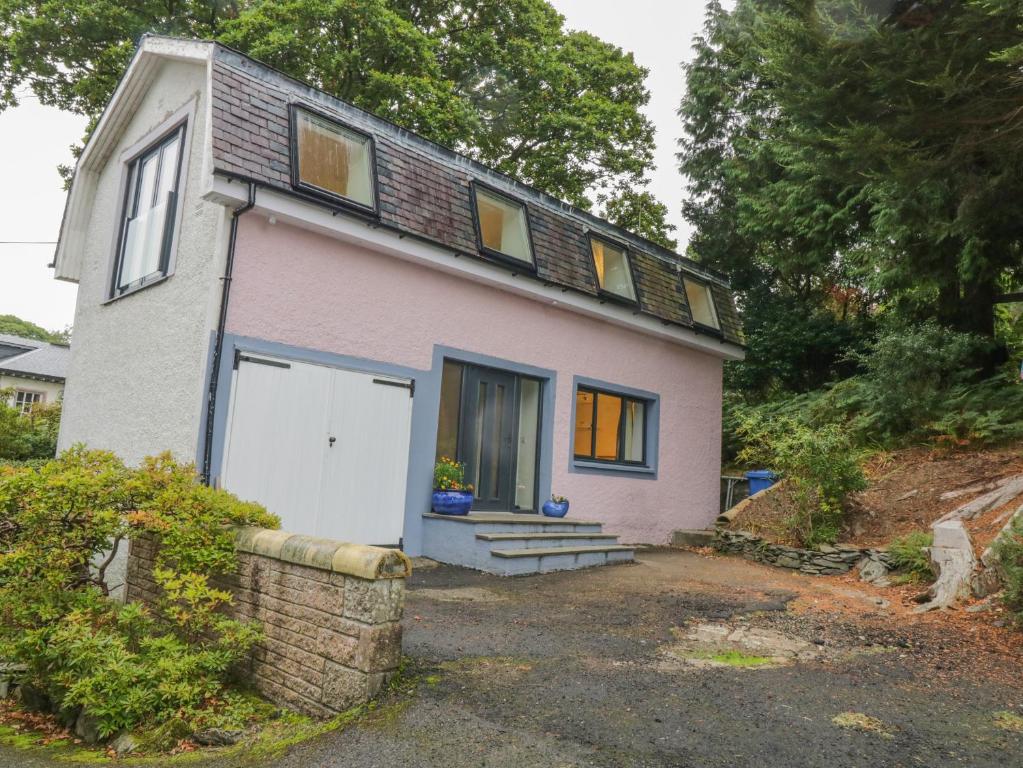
857	721
1009	721
735	659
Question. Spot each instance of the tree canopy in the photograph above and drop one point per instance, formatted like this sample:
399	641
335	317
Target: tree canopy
501	80
15	326
851	159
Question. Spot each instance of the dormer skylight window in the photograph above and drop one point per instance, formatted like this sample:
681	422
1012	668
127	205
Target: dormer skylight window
701	304
332	160
614	271
503	227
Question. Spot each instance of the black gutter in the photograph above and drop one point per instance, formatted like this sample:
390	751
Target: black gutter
218	346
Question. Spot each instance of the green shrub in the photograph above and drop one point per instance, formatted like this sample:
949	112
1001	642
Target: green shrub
918	383
27	436
126	665
907	374
820	466
909	556
989	412
1009	551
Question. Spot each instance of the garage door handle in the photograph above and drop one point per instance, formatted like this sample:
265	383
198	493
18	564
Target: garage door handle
332	440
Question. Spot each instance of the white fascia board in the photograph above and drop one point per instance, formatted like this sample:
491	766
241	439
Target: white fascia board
118	113
299	213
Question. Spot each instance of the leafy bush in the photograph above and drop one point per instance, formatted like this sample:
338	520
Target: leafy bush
820	466
27	436
126	665
1009	551
907	374
989	412
917	384
909	556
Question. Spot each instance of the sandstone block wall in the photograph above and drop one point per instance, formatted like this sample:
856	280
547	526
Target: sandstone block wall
330	614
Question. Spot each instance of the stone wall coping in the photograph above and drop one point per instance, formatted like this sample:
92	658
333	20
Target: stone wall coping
359	560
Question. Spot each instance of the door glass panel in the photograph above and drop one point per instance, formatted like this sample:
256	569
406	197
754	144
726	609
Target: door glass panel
492	444
609	416
529	428
450	406
635	414
481	410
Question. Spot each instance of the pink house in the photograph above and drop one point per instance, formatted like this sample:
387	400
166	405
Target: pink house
315	304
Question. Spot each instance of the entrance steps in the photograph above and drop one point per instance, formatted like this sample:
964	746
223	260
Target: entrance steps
511	545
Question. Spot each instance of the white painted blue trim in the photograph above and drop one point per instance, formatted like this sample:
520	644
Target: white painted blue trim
653	420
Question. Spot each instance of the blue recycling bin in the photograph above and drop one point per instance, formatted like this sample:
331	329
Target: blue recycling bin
760	480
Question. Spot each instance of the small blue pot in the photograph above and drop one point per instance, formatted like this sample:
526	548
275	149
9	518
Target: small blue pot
452	502
555	509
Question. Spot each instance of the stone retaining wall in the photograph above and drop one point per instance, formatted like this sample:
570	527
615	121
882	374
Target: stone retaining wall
826	561
330	614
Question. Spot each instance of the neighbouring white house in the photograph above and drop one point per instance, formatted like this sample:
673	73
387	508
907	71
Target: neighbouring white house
313	304
34	371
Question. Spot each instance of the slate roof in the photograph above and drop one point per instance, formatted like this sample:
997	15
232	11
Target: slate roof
424	190
41	360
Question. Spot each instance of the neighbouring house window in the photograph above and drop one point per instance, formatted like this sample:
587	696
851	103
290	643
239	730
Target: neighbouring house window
701	304
503	226
614	274
147	223
609	427
24	400
330	158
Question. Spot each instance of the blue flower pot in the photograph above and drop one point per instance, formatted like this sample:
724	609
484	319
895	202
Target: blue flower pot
452	502
555	509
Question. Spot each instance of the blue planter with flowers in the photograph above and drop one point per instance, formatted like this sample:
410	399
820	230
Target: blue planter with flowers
452	502
556	506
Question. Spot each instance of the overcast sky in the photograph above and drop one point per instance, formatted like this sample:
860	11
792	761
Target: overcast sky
34	140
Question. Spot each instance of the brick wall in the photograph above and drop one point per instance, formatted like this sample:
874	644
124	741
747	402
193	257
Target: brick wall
330	614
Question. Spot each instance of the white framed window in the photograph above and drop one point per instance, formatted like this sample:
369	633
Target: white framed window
701	304
148	215
614	269
332	160
26	399
502	226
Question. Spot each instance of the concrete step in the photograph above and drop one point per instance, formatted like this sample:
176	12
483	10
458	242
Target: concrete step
512	562
547	540
514	544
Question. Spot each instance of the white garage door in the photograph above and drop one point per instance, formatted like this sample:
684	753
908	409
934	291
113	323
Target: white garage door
324	449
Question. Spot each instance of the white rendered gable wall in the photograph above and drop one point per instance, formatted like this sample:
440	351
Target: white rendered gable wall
136	379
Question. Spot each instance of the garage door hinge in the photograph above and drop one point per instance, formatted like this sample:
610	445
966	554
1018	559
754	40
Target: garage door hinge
409	385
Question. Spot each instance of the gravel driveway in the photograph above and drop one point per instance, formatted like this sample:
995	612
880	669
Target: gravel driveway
684	660
599	668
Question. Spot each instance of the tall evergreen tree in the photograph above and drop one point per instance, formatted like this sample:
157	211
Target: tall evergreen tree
837	144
